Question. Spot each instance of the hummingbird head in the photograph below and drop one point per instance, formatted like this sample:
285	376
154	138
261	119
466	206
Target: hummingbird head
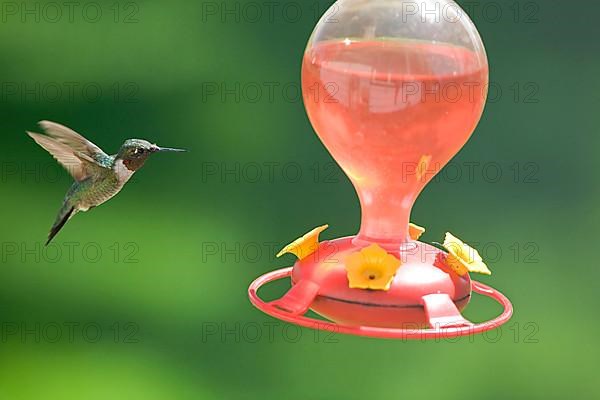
135	152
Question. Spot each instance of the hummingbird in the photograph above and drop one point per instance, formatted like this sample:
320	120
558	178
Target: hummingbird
98	176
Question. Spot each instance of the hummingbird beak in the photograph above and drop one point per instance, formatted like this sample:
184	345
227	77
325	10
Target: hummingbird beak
158	149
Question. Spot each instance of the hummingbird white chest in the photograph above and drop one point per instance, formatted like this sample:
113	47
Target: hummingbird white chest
123	173
105	189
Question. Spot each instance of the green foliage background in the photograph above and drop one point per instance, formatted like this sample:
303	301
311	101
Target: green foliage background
166	321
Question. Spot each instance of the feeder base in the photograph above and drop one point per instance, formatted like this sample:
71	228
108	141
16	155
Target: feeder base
436	329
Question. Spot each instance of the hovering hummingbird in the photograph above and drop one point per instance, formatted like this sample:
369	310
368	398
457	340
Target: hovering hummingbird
98	176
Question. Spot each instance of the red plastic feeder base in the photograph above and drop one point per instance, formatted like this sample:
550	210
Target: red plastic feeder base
437	328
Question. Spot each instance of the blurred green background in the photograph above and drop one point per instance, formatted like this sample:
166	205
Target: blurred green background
145	297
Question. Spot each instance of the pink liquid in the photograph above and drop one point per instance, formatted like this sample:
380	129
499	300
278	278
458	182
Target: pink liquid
392	114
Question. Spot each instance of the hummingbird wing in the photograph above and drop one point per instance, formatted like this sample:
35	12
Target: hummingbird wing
74	140
80	165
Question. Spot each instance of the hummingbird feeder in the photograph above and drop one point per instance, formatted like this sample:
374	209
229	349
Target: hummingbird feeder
394	89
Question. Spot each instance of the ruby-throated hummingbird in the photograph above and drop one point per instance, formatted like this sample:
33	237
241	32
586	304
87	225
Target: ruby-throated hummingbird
98	176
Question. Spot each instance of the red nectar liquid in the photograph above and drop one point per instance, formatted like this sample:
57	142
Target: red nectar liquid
392	114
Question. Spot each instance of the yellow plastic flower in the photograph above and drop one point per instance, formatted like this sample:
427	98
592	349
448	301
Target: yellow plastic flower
371	268
462	258
304	246
415	231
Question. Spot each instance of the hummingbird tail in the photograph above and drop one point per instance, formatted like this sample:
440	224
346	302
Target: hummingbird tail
61	220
